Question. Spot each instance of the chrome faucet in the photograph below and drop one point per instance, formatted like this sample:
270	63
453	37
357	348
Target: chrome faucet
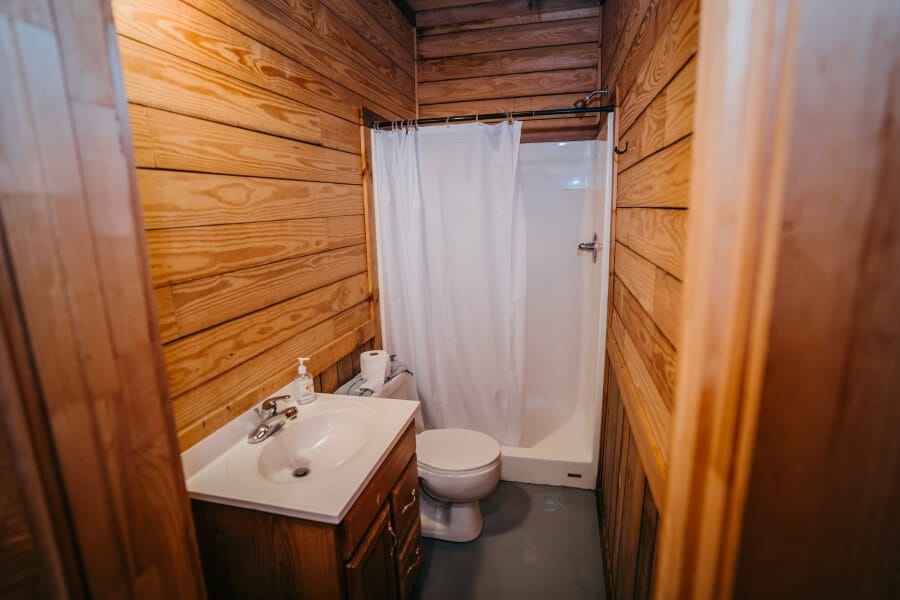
271	421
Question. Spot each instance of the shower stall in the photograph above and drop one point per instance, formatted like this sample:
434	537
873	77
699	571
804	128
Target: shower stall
494	287
567	196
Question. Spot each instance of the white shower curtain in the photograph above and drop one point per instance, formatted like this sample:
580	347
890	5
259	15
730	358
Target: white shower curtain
451	259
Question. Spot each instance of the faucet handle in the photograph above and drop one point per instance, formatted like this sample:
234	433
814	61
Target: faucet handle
270	405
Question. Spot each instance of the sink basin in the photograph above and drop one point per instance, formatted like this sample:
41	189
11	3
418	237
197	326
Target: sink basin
322	439
314	468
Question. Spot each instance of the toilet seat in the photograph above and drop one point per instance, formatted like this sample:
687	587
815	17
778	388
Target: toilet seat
456	451
426	470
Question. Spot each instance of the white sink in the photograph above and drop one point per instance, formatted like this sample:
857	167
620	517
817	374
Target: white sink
313	468
323	438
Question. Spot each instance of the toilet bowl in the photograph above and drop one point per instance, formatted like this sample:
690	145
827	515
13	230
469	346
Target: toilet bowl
457	467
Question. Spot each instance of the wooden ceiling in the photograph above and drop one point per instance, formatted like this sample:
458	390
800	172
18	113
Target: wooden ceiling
419	6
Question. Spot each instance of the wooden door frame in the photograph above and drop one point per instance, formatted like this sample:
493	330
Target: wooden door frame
784	459
744	93
83	359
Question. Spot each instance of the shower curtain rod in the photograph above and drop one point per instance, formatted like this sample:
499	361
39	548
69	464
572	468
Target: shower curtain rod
491	117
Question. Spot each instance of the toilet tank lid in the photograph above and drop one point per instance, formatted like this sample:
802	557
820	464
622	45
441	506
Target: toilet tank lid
456	449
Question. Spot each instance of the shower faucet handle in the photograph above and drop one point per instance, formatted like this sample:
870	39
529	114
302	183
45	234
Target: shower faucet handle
593	247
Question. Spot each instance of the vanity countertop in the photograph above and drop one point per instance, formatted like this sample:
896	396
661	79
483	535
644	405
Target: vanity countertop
342	440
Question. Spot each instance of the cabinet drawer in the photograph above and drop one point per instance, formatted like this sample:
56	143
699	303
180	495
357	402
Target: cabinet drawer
405	499
376	493
409	560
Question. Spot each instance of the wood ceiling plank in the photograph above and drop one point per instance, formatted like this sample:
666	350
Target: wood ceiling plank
556	33
505	86
575	56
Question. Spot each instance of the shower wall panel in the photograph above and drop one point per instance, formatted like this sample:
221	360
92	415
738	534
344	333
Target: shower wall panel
245	120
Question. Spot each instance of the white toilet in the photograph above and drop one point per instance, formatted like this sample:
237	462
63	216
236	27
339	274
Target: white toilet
457	468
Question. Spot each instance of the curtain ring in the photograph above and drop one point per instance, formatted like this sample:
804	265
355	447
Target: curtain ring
448	121
509	116
476	118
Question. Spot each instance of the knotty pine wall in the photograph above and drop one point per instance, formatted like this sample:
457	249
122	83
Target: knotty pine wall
650	68
245	121
510	55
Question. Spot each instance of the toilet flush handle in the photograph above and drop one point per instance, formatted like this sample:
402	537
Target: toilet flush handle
593	247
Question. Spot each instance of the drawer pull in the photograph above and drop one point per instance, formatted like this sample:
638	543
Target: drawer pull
393	537
416	562
409	504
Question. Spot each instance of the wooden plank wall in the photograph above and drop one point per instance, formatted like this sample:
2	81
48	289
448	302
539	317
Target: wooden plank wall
94	503
511	55
650	69
626	504
245	118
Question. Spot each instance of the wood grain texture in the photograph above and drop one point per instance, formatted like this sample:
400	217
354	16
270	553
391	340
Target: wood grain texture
628	513
376	492
194	305
666	120
833	339
661	180
503	86
187	253
245	122
646	555
190	144
785	484
313	36
72	239
528	60
211	405
181	30
249	552
649	66
676	44
197	358
184	199
159	80
503	12
656	234
645	412
656	351
374	29
656	290
511	56
555	33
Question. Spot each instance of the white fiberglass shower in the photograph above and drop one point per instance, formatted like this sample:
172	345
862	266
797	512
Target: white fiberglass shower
464	212
567	200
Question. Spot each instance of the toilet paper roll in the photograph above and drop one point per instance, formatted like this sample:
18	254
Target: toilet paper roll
375	364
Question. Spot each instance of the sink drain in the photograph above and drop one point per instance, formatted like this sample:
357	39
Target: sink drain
301	472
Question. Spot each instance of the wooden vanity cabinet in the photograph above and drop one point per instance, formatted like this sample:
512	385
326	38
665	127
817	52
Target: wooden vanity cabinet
373	553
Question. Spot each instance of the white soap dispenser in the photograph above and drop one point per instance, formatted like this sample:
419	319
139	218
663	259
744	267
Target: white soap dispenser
303	386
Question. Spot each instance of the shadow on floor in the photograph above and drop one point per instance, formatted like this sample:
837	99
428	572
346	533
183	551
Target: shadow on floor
538	542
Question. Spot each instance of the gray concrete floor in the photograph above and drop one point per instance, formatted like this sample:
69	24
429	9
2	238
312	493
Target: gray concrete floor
538	542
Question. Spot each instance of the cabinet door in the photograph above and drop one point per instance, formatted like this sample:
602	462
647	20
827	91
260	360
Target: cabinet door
371	571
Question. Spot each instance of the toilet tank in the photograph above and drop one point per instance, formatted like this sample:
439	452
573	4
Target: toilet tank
402	386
